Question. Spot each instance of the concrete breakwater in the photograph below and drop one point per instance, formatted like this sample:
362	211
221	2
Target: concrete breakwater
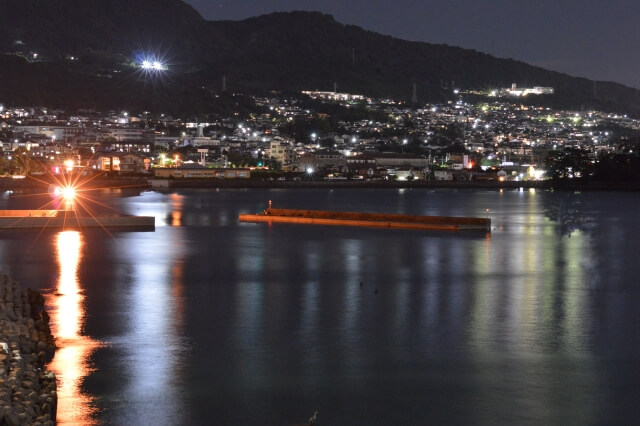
400	221
27	390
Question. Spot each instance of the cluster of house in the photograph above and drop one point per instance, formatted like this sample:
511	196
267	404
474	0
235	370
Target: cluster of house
506	133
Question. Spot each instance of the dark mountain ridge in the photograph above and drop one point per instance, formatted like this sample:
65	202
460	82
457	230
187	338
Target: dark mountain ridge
88	55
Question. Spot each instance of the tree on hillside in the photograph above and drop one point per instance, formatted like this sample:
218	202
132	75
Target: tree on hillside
570	163
21	161
5	166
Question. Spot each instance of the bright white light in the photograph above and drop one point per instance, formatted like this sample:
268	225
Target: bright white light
309	170
153	65
67	192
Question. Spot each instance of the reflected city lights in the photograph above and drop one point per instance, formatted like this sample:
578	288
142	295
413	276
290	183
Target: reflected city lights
176	218
177	204
71	360
155	311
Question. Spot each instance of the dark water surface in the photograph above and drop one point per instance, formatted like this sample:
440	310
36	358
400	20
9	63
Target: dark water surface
212	321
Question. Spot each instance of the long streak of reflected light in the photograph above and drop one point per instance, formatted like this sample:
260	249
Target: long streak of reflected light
71	361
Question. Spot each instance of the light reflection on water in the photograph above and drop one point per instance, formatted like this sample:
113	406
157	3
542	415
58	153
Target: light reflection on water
67	310
250	324
149	354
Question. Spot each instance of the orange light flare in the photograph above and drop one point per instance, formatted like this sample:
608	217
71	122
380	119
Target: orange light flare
74	190
67	193
70	193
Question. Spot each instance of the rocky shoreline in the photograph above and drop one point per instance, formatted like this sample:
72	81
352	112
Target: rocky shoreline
27	389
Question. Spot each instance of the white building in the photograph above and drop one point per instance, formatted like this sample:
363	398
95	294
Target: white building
281	152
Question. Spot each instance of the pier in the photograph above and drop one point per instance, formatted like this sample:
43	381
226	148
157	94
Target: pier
68	219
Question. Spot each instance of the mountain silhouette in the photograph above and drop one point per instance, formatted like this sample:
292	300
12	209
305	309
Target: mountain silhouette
87	54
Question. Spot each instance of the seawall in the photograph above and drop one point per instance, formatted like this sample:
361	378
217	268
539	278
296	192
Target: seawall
562	185
27	390
143	183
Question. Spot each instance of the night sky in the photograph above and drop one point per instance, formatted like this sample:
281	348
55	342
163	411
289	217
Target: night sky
597	39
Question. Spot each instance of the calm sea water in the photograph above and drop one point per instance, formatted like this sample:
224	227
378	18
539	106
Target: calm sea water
212	321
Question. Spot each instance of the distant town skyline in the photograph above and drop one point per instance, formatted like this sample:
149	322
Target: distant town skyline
583	38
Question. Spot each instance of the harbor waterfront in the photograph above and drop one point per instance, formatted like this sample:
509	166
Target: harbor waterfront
209	320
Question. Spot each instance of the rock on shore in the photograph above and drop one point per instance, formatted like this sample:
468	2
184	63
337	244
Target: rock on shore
27	390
